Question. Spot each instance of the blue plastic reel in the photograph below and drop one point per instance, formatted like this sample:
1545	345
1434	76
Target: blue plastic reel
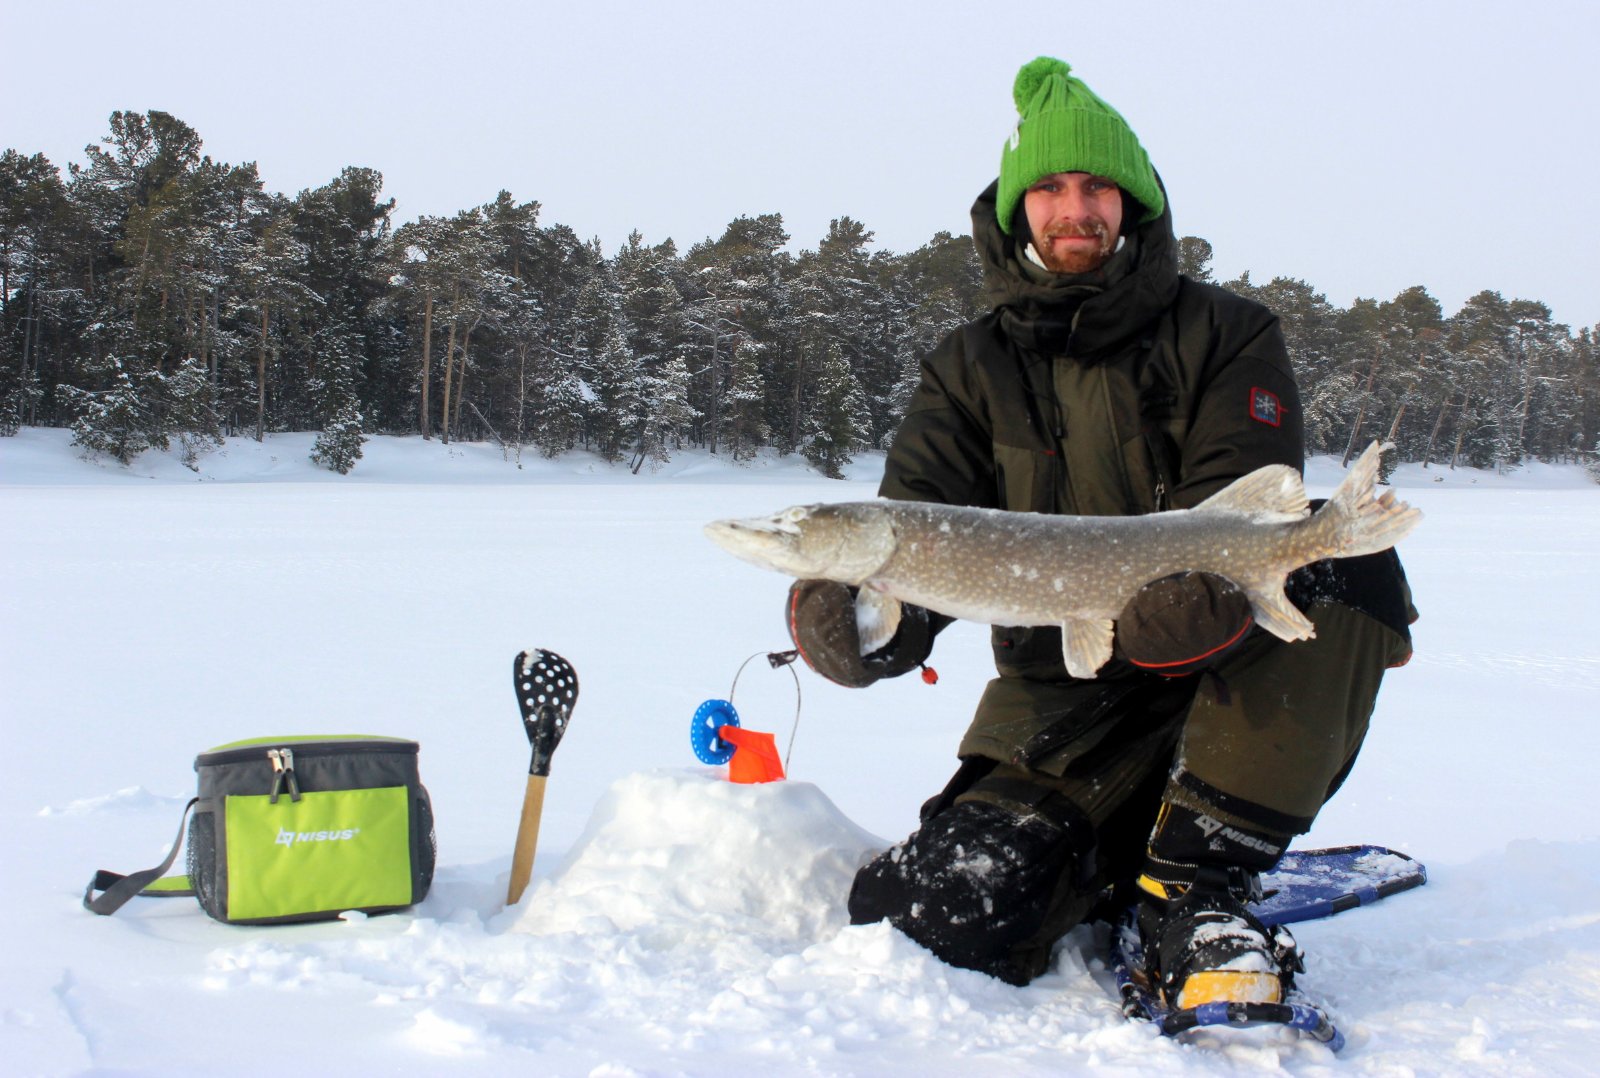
710	717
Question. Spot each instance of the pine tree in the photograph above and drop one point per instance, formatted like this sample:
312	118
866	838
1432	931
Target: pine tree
655	317
421	272
839	419
276	297
1540	357
147	193
864	325
35	286
559	268
337	400
513	327
556	412
1585	368
1194	259
807	332
714	335
616	397
744	401
1514	358
338	446
190	412
1413	334
344	227
736	309
118	421
667	413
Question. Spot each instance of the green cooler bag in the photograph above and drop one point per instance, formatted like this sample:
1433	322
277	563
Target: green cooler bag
296	829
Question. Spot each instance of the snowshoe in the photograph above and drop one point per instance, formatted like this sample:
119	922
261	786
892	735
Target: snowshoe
1306	885
1215	1001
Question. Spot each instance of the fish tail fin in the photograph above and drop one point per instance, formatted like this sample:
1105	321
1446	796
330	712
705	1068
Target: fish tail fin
1356	520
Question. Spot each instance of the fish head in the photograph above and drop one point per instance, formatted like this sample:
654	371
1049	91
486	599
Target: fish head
846	542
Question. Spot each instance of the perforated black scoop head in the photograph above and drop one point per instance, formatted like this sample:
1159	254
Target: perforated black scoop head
547	691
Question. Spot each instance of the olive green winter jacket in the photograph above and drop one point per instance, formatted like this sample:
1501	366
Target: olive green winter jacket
1122	392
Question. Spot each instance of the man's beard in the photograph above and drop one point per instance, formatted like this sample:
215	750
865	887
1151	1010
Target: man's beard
1071	260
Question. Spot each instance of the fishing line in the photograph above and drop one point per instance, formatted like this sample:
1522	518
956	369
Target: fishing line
776	659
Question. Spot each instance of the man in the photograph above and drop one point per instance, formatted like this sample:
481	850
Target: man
1104	383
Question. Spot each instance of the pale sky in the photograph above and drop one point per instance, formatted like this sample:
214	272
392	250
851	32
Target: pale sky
1361	146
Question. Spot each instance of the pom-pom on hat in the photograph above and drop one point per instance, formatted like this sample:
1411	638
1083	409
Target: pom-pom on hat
1063	127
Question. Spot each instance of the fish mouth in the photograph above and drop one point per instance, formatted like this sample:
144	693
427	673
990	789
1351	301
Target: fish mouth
722	532
770	542
737	533
746	537
752	526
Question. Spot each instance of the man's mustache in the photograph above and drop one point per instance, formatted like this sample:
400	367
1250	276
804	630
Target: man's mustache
1091	228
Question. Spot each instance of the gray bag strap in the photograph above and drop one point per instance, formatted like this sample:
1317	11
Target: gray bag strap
118	889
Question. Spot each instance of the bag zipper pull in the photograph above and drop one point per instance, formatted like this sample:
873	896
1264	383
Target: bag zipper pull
287	756
276	759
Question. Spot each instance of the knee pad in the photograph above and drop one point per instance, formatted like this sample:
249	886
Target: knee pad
970	884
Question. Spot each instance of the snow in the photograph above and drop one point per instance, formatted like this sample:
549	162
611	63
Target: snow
678	924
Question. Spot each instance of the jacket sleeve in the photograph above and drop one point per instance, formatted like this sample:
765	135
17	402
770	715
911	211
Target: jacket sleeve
943	451
1246	413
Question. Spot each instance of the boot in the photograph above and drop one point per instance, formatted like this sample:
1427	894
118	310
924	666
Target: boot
1205	946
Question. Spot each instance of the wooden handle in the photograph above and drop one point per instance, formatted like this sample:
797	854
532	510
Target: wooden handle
527	838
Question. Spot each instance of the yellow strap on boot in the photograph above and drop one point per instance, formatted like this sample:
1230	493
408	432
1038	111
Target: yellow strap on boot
1156	889
1229	986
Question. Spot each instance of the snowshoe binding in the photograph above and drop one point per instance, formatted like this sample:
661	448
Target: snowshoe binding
1204	958
1207	947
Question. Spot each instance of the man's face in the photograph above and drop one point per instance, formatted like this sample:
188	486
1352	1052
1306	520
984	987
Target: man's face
1075	218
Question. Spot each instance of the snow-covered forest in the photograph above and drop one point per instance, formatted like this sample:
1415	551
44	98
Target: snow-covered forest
155	297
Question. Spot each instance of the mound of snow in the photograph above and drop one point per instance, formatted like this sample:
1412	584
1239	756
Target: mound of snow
691	859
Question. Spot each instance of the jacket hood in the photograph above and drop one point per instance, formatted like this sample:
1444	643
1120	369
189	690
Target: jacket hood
1082	314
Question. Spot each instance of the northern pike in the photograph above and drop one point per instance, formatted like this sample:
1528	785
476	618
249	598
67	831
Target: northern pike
1077	572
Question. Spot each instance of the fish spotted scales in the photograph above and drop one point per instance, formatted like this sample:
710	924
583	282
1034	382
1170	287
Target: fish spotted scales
1020	569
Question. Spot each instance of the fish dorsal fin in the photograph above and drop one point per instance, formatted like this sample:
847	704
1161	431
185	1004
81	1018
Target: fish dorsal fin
1086	645
1274	493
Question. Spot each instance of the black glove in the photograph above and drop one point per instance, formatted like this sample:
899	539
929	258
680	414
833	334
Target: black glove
1184	623
822	624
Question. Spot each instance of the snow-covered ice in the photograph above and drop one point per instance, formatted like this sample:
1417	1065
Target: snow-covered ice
678	924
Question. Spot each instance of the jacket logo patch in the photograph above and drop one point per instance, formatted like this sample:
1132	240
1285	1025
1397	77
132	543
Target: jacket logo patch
1264	407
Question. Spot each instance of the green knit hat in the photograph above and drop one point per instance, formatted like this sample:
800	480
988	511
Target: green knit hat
1063	127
